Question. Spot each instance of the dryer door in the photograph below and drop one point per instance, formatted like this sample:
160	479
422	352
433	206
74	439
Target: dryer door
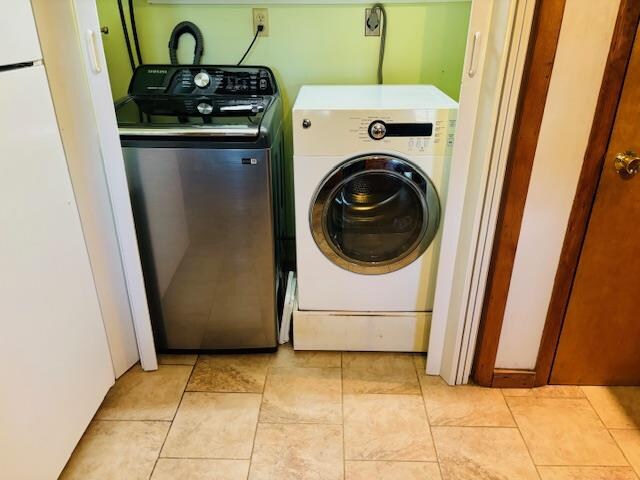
374	214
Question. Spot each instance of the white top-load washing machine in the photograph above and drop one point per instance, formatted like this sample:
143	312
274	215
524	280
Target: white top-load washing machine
371	167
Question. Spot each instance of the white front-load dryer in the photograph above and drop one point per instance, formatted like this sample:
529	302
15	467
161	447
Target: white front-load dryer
371	167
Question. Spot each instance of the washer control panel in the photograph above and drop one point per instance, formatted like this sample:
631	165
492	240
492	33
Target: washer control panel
202	80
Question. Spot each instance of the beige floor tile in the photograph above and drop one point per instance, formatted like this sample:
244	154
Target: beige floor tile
587	473
302	395
483	453
364	470
629	442
466	405
116	450
177	359
548	391
140	395
288	357
618	407
372	372
564	431
386	427
229	373
213	425
420	362
200	469
297	452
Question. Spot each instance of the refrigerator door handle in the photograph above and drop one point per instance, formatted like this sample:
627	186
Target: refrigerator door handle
92	45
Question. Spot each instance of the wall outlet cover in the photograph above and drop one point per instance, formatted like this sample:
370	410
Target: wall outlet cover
261	17
372	23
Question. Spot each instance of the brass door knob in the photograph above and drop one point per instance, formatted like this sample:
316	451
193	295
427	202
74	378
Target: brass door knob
627	164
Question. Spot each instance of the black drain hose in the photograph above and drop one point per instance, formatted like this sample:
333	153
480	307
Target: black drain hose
179	30
134	31
126	35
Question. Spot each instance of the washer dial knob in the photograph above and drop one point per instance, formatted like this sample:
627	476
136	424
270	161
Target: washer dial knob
202	79
204	108
377	130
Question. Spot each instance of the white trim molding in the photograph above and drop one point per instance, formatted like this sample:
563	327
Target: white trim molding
487	107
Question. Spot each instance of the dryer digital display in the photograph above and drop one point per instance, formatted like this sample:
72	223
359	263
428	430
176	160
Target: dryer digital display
379	129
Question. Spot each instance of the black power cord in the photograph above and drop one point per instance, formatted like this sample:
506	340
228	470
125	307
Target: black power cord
377	13
255	37
125	30
134	31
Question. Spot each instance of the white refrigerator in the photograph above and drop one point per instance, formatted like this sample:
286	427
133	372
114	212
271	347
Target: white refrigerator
55	365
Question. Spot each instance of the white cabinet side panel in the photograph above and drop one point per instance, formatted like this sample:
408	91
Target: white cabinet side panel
113	164
80	136
54	360
443	347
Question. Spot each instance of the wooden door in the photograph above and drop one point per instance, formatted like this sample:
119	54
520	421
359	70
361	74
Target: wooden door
600	339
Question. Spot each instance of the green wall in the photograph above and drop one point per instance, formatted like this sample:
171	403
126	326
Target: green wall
307	44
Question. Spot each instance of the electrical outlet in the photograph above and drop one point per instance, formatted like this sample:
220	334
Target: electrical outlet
261	17
372	22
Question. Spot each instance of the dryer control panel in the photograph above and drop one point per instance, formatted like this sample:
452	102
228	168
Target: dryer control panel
339	132
202	80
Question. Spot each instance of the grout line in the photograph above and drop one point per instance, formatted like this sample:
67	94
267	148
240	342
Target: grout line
582	466
394	461
613	439
453	425
184	390
595	410
526	446
255	430
426	413
129	420
222	459
320	424
344	444
223	391
404	394
160	451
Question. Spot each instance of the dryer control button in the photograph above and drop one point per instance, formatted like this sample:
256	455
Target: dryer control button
377	130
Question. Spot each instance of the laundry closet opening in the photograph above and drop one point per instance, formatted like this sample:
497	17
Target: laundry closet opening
323	164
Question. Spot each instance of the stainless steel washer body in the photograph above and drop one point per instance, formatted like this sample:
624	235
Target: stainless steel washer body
205	186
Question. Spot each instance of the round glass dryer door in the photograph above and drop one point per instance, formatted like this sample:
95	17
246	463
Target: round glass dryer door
374	214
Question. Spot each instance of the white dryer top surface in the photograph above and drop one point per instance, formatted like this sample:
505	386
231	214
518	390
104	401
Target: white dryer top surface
373	97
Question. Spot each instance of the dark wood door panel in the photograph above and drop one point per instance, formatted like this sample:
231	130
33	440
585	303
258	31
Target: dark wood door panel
600	338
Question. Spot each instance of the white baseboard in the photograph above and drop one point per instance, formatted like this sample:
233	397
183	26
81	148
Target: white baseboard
367	331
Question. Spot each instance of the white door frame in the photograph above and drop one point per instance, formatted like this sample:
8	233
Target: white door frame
499	33
474	196
96	66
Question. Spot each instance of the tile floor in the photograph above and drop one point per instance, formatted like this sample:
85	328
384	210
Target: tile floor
353	416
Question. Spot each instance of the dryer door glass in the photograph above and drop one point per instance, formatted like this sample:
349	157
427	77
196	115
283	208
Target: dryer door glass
375	214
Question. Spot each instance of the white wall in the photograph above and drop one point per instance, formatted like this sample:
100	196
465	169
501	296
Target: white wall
585	36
